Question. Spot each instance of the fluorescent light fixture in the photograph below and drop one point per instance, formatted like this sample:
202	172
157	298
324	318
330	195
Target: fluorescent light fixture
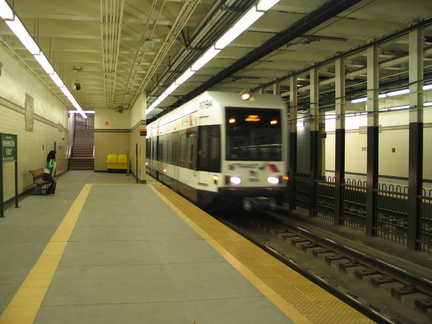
5	11
57	80
329	117
265	5
171	88
162	97
66	91
184	77
358	100
382	95
427	104
77	106
239	27
23	35
85	111
73	101
251	16
399	107
427	87
300	124
43	61
152	106
398	92
204	59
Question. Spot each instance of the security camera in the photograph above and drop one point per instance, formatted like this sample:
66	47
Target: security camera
77	86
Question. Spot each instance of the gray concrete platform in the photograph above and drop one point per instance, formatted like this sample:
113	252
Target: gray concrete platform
130	259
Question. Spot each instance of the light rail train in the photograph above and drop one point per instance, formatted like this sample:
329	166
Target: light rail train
218	146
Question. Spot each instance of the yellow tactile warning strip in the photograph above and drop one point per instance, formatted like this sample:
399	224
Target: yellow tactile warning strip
26	303
299	298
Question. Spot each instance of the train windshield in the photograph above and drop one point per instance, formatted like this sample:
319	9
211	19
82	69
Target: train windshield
253	134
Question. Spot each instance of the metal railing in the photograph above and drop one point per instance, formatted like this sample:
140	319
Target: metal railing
390	218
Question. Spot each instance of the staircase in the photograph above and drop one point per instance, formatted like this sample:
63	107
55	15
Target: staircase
81	157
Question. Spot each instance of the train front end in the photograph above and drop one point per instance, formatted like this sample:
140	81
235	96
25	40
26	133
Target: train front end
254	167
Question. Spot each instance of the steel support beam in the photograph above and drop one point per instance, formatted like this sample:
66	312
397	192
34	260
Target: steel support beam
314	138
415	167
292	164
372	139
340	141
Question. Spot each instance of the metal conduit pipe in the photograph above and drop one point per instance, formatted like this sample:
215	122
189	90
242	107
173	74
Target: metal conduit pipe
198	42
223	14
111	26
185	13
210	29
135	67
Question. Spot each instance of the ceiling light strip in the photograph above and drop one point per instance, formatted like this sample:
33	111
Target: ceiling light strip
27	40
250	17
392	94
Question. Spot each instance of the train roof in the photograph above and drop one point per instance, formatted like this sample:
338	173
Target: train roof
221	99
231	99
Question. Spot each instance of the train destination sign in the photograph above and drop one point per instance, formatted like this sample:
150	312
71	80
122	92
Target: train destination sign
9	147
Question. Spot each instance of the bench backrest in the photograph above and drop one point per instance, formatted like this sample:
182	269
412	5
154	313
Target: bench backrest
37	173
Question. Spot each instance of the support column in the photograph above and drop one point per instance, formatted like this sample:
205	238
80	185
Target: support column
314	140
292	166
139	149
340	141
372	139
415	167
276	88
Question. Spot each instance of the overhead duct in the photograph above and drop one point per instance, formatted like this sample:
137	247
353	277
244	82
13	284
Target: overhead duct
325	12
111	28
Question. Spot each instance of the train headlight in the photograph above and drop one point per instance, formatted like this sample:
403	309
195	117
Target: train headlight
233	180
215	179
273	180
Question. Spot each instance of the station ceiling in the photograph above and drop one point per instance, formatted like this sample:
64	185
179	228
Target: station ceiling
118	49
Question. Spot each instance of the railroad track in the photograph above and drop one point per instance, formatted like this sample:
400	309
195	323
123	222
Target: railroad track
381	291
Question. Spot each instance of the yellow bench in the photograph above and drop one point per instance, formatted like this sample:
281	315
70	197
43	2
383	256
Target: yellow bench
117	163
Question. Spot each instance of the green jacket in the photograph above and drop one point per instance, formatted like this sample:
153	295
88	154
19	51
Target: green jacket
49	166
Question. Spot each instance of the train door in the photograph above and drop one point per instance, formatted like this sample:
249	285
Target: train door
209	152
156	159
175	157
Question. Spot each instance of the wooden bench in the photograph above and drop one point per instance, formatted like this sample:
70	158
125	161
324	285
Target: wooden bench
39	181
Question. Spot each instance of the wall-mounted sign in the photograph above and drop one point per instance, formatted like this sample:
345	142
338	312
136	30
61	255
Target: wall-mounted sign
9	153
9	147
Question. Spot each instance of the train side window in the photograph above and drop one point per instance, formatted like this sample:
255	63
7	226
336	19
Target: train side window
155	152
183	151
188	145
162	149
209	151
192	143
148	148
168	148
175	152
